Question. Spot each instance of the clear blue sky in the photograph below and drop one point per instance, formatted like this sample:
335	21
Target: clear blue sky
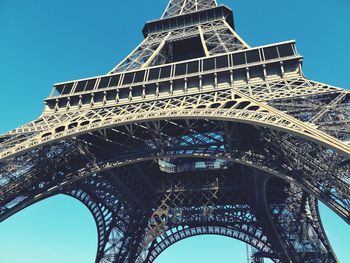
46	41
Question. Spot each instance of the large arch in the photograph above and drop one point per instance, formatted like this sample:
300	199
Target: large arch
246	156
99	214
262	118
181	233
121	163
243	157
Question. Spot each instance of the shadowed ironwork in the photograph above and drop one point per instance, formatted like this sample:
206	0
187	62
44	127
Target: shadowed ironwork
193	133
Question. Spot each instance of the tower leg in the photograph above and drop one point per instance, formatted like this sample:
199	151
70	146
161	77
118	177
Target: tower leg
296	219
121	208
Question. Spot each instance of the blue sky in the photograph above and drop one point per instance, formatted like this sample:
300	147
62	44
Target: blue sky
45	41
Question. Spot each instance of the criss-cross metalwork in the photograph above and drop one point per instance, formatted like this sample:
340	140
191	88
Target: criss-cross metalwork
193	133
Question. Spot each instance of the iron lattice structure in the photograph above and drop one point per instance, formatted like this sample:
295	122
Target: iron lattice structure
193	133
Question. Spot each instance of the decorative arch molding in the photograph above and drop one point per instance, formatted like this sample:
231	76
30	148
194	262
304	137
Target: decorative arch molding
274	120
245	233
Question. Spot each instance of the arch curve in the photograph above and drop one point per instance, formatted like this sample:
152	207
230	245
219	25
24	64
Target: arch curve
242	233
271	119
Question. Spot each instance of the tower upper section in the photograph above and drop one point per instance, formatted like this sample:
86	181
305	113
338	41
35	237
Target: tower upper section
193	40
179	7
188	29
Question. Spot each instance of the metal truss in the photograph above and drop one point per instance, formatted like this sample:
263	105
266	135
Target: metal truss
330	112
241	144
239	232
297	221
142	54
190	205
216	37
220	38
231	103
178	7
276	93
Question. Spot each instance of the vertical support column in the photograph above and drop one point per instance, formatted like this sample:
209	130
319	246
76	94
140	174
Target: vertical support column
236	35
131	244
264	218
289	208
205	48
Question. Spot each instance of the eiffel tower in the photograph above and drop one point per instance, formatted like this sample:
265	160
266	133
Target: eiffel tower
193	133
